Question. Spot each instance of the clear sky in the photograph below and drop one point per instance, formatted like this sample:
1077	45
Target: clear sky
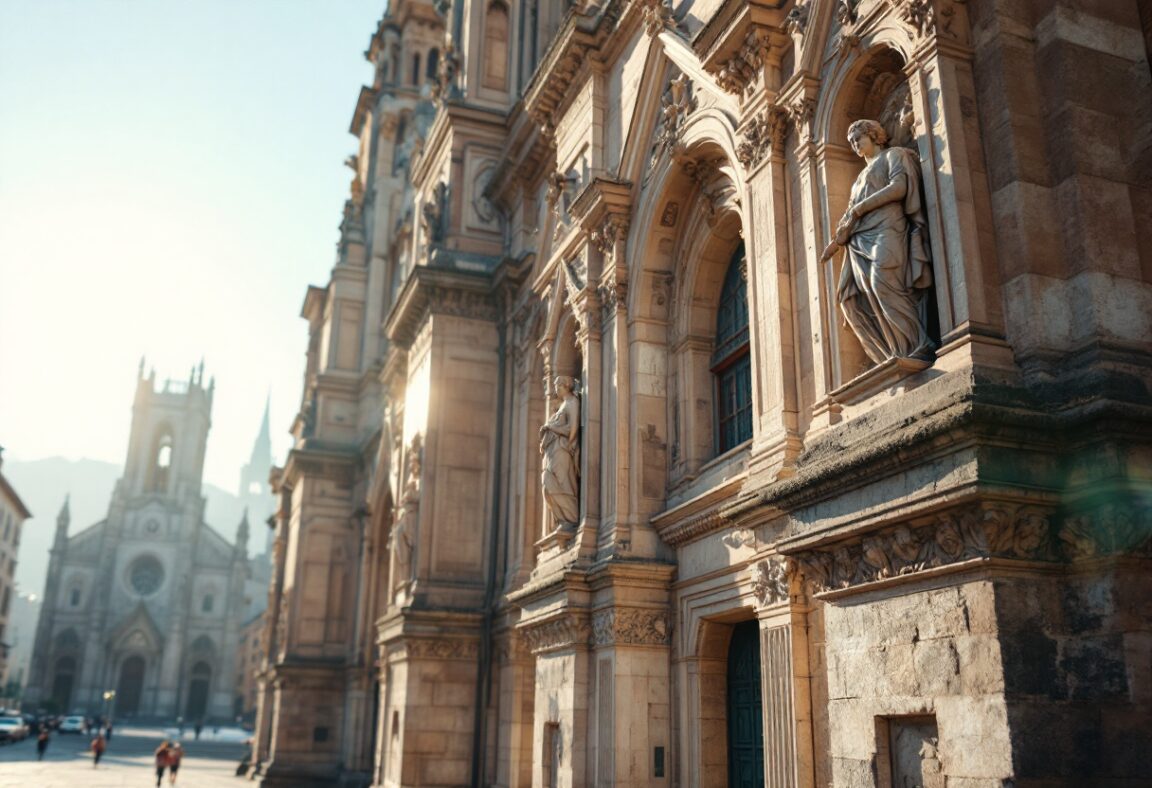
171	180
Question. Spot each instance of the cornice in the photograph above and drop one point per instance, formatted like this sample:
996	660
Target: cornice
439	291
699	516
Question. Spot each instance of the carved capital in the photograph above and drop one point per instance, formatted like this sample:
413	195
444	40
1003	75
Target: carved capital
658	17
770	581
738	73
763	134
631	627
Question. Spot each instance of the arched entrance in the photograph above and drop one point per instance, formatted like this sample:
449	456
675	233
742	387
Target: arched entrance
198	691
745	719
130	686
63	678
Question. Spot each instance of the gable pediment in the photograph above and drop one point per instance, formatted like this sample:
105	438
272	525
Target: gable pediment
137	631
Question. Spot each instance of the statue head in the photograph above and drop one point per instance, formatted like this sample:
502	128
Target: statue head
564	384
870	129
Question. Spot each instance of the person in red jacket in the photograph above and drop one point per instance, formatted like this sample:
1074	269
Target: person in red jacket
175	753
161	761
98	747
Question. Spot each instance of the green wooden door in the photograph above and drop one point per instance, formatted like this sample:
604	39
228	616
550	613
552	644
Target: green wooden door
745	721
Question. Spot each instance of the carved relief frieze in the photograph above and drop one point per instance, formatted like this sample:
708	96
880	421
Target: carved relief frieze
1113	528
982	530
631	627
442	648
770	581
462	303
570	630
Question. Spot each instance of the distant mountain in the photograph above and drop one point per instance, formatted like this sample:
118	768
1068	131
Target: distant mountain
42	484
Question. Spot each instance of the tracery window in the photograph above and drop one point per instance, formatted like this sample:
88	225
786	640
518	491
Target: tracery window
731	359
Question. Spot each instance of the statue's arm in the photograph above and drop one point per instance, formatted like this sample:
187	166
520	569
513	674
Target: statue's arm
894	191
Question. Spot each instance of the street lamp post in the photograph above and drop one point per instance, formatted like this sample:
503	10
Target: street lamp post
109	701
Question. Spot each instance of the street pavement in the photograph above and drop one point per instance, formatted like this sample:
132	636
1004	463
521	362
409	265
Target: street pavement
128	761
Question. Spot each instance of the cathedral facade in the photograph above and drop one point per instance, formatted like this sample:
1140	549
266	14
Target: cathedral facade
147	603
727	393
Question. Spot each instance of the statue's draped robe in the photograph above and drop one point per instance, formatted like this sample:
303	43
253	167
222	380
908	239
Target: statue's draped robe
561	467
887	269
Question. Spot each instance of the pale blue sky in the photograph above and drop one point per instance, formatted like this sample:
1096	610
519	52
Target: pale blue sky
171	180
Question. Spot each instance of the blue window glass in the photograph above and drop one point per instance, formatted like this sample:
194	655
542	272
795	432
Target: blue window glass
731	359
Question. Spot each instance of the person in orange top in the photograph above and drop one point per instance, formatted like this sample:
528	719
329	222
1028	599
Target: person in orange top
161	761
98	746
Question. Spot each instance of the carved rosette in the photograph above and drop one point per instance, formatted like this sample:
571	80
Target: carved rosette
770	581
562	632
986	530
628	626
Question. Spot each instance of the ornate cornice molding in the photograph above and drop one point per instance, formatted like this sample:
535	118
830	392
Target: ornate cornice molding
980	530
628	626
442	292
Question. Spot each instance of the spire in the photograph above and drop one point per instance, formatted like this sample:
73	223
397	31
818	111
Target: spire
242	534
262	449
62	522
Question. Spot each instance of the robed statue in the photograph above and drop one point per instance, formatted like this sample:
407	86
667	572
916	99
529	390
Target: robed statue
560	447
887	271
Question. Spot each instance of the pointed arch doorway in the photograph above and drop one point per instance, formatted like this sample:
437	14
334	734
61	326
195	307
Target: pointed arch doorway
130	686
745	712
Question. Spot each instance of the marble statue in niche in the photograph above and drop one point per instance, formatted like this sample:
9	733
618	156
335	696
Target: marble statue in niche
560	447
887	272
403	535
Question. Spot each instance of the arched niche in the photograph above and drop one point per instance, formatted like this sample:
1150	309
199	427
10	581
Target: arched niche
872	86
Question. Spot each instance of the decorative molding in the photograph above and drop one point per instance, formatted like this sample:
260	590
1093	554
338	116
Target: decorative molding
765	133
980	530
928	17
677	103
568	630
442	648
1109	529
627	626
770	581
658	17
737	74
802	112
797	20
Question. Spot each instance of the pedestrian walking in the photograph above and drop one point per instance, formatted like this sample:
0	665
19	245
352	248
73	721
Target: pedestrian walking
174	756
108	731
98	747
161	762
41	743
199	727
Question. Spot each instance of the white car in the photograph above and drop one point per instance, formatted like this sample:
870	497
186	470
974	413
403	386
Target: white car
13	729
72	725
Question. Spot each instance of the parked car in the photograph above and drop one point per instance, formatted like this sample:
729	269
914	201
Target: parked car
13	729
72	725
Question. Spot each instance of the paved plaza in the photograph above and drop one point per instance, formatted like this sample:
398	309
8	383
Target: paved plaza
208	763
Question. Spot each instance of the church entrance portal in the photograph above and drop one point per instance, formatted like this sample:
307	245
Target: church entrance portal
62	680
130	687
745	722
198	691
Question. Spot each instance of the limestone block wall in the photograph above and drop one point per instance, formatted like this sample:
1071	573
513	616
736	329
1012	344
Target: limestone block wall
923	652
1077	677
439	699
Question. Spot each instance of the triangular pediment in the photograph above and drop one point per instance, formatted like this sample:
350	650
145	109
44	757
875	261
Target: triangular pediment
137	631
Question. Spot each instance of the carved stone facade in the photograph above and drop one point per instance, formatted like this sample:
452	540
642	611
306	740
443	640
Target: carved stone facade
920	562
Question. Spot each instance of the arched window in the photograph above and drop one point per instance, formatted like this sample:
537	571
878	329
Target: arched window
162	458
731	360
207	604
432	64
496	46
416	69
74	598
